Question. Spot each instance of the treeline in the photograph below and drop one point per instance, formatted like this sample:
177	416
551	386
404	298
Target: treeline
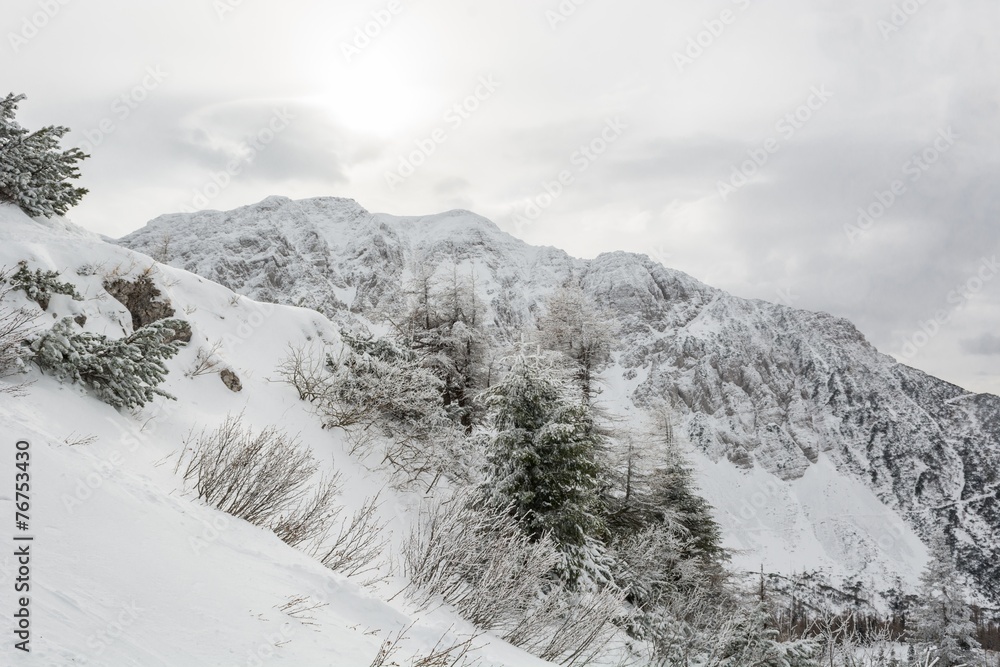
556	519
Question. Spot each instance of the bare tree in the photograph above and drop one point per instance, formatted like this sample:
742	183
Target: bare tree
574	326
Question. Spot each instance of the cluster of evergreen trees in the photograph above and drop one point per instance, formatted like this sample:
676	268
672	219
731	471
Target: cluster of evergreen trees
622	510
124	372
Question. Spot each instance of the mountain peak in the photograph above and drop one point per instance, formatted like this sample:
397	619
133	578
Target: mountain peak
765	390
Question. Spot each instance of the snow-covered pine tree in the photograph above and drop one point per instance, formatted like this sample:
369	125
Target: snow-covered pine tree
41	285
572	325
666	540
124	373
35	173
545	463
942	620
673	497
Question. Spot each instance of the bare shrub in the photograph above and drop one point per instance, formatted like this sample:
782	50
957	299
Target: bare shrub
359	543
570	627
417	463
300	607
305	369
15	327
311	519
844	646
207	361
478	560
263	478
474	556
74	440
446	653
417	448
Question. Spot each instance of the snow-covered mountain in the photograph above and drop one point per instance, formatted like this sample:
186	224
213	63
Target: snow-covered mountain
127	567
817	451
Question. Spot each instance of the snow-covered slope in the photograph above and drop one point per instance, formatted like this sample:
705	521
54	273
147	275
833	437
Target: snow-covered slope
816	450
127	568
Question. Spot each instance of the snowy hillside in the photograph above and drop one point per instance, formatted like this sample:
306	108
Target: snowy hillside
817	451
127	566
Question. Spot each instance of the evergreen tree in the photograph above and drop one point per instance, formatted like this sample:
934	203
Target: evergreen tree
572	325
124	373
666	537
673	497
34	173
942	620
41	285
544	461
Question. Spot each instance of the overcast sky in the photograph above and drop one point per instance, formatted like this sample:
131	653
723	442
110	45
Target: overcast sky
735	140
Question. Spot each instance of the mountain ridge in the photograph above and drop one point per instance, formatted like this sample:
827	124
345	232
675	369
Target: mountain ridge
757	385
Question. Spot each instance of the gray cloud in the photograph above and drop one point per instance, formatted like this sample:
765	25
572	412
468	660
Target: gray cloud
656	189
987	343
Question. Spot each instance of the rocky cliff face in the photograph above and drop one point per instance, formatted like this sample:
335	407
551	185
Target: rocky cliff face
754	386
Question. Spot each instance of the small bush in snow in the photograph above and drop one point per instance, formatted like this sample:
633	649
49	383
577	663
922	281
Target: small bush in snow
747	638
34	173
380	394
124	373
447	652
377	382
359	543
41	285
478	560
15	328
372	383
264	478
